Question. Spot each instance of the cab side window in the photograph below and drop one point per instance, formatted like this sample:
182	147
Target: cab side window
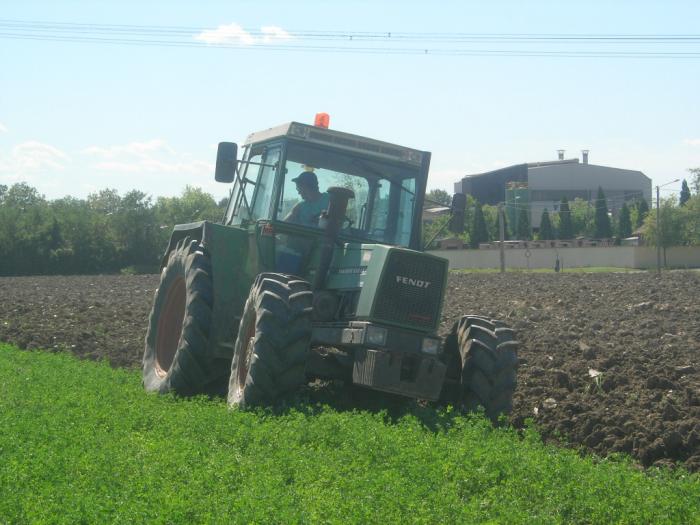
265	184
254	196
244	191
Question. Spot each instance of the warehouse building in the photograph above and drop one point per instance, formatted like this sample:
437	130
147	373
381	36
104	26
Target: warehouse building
543	184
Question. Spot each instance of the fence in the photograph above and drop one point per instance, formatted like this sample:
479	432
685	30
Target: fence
641	257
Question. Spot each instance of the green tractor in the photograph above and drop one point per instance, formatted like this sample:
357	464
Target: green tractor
316	272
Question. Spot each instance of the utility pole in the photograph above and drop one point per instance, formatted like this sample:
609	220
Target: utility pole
658	236
502	236
658	228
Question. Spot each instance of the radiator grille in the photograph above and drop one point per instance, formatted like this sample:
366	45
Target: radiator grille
404	297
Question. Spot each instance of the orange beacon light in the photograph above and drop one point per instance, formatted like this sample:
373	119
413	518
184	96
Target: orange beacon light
322	120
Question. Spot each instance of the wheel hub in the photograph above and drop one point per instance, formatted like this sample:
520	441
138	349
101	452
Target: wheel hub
170	326
247	346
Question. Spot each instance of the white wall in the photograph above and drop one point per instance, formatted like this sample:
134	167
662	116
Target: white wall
617	256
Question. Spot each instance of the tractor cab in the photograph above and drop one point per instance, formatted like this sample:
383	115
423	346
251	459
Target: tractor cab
280	189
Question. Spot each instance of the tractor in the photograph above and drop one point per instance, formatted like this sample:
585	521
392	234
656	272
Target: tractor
316	272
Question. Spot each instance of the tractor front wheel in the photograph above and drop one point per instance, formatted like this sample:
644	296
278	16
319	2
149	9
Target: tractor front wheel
177	356
272	347
482	359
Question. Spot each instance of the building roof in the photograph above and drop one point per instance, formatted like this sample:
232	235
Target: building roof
527	165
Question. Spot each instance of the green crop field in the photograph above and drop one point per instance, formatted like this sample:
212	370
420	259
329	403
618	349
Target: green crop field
83	443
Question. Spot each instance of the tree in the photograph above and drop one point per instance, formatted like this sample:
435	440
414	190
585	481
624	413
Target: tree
439	196
685	193
695	172
22	195
603	229
136	230
546	232
478	232
506	227
25	231
672	222
192	205
566	229
523	226
88	243
430	230
105	201
691	232
582	218
624	226
642	211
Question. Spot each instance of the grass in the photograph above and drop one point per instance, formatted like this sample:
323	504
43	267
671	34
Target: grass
83	443
583	269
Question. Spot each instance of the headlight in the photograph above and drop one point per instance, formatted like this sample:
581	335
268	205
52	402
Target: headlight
375	335
430	346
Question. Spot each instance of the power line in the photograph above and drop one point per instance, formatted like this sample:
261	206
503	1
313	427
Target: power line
272	39
387	35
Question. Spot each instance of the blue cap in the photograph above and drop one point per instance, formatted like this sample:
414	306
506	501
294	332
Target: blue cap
307	178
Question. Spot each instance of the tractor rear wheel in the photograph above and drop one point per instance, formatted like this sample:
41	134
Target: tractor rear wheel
270	354
481	355
177	356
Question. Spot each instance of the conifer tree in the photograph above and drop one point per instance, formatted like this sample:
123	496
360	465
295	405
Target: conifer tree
624	227
506	227
523	227
566	228
546	232
479	233
602	220
642	211
685	193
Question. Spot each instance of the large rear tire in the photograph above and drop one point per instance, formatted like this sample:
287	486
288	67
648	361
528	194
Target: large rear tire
481	356
272	346
178	357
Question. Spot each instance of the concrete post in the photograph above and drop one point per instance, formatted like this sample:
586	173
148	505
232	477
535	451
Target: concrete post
502	236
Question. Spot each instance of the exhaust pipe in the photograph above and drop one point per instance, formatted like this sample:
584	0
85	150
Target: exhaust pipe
332	220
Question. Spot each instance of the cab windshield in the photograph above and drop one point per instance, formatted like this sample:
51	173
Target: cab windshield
382	209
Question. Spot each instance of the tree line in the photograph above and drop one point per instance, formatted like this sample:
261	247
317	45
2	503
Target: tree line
108	232
103	233
679	219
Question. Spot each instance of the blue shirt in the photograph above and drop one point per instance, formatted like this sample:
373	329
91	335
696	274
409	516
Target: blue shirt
308	212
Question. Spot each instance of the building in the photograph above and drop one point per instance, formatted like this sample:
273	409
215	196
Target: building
543	184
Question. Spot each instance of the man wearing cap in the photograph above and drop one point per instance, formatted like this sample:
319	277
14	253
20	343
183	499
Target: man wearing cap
313	202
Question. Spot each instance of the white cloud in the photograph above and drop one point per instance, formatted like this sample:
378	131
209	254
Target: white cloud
227	34
146	158
30	159
692	142
32	156
235	34
133	149
195	167
274	33
3	128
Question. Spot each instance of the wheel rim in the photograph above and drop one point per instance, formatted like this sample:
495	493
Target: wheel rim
170	326
244	359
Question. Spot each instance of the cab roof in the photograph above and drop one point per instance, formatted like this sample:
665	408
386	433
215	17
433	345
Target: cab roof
340	140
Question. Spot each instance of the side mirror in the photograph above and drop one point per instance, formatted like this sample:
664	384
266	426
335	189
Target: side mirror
459	204
226	160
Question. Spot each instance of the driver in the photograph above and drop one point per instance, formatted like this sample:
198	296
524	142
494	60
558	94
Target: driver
313	202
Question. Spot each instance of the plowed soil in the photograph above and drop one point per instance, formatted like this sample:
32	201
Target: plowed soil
608	362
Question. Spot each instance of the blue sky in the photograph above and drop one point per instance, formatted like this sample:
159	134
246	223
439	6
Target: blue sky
77	117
